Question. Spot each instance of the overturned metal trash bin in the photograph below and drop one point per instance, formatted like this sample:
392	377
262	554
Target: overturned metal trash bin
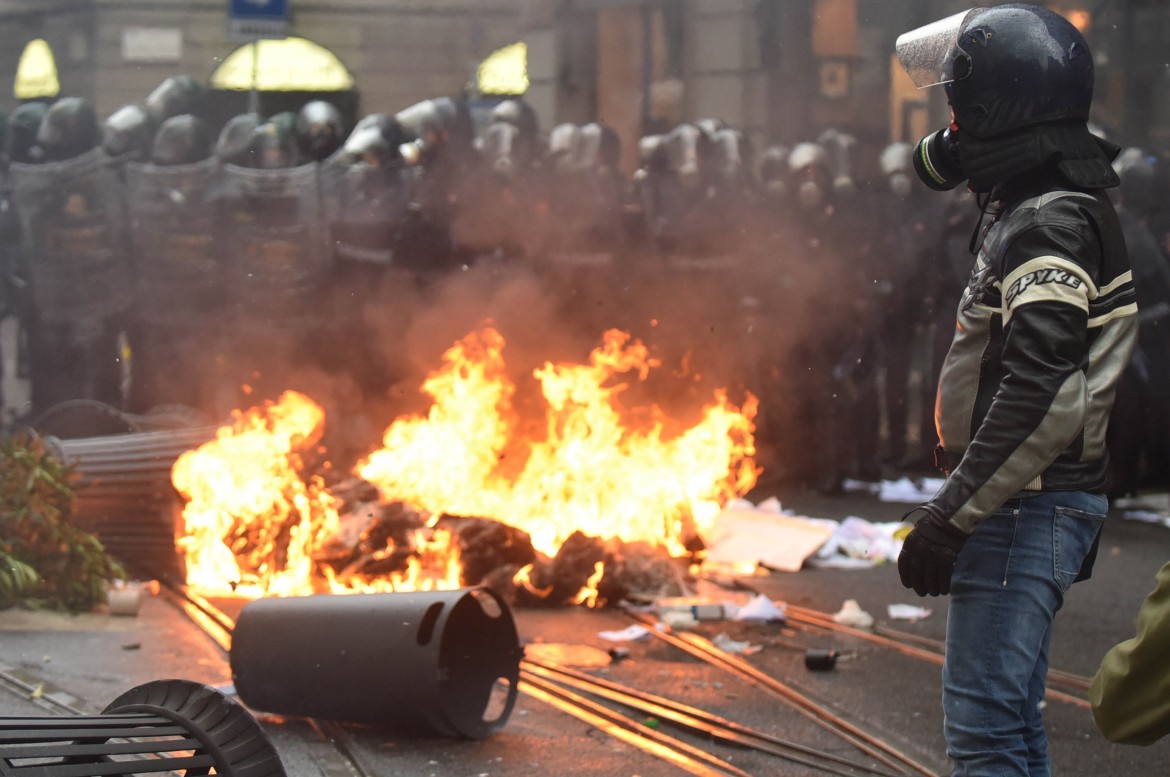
447	662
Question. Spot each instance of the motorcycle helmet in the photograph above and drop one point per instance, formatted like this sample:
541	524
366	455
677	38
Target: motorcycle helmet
1019	79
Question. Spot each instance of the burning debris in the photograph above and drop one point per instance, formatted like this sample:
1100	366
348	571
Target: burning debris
586	501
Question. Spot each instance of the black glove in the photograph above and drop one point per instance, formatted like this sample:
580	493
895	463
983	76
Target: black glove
928	555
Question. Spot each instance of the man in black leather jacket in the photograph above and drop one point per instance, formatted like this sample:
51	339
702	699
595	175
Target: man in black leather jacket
1045	329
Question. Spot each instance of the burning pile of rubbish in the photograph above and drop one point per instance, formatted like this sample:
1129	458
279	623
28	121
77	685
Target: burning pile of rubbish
587	501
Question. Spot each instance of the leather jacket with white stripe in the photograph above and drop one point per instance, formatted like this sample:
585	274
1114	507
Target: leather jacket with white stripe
1044	331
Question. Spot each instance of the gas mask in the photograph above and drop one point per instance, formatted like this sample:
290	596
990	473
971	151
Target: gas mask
937	161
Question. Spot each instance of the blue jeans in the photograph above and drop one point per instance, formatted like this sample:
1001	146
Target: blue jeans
1009	582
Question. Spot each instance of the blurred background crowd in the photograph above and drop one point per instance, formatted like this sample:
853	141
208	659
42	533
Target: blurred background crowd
152	260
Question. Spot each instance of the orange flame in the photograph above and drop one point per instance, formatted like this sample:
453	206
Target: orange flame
591	471
254	523
251	520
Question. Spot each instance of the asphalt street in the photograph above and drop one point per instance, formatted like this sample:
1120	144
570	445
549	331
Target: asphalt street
87	660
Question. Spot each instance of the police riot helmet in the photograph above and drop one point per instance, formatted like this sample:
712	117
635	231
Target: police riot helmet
688	150
840	148
232	145
181	140
773	163
376	139
21	143
525	142
773	171
520	115
601	145
563	143
69	129
272	146
319	129
433	126
1138	173
128	133
175	96
808	169
710	125
652	156
896	163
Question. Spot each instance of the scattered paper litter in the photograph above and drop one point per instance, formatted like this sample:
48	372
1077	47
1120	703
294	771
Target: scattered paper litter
1147	508
910	491
907	612
628	634
851	614
748	534
729	645
1146	516
679	620
859	544
760	608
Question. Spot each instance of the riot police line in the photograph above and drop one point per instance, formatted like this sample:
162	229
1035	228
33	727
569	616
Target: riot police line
156	262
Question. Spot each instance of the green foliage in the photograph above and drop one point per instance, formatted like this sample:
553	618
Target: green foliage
70	565
17	580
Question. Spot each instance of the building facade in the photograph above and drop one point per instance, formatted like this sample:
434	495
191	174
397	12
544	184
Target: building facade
781	70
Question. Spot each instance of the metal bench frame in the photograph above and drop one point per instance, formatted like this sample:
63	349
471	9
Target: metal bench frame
161	726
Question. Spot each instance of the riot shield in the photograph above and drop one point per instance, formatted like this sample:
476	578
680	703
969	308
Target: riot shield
73	233
178	275
274	238
365	205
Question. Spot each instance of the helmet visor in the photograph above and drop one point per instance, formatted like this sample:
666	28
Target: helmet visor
928	52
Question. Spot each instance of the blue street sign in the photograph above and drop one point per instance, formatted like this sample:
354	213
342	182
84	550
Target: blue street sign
251	19
262	9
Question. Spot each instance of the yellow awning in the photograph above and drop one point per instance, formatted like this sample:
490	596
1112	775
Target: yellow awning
287	65
36	74
505	71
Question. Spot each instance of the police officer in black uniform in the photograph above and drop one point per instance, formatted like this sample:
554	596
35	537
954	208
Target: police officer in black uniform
178	286
74	260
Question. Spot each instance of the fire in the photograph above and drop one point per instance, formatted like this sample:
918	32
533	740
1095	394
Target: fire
251	520
255	522
591	470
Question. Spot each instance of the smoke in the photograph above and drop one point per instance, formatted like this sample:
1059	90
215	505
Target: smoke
377	339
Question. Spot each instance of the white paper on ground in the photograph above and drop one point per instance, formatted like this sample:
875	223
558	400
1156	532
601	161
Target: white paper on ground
760	608
749	535
628	634
909	491
907	612
858	544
